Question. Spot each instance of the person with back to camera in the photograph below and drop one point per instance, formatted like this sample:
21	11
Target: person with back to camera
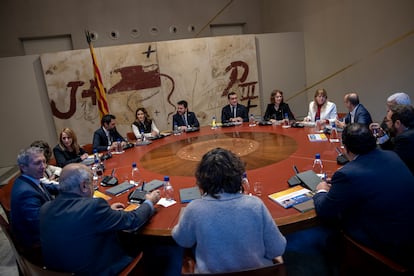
51	172
231	231
184	118
68	150
371	197
320	109
79	233
277	109
144	124
234	112
106	137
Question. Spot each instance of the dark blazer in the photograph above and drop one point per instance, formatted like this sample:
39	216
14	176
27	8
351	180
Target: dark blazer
191	120
241	111
79	234
100	141
372	197
26	200
272	113
362	116
403	145
64	157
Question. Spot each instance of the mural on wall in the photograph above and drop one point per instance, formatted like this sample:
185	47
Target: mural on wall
152	75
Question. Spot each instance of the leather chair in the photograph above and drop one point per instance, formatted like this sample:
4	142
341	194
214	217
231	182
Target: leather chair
131	137
5	196
88	148
360	259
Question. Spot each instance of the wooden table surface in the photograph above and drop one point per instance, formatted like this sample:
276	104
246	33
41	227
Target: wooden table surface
269	152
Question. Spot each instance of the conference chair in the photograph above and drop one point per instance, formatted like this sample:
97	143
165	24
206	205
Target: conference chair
5	196
274	270
131	137
359	259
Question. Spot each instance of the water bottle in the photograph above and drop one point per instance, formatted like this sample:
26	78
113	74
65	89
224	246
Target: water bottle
286	120
95	155
135	175
119	146
252	121
176	130
168	189
245	184
95	177
317	165
143	138
334	133
213	123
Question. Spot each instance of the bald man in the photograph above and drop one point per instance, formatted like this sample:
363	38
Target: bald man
78	233
357	112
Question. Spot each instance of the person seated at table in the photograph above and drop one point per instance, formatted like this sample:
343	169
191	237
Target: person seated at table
230	231
78	232
357	112
400	125
184	118
320	109
106	137
51	172
144	124
27	196
396	98
234	112
277	109
68	150
370	197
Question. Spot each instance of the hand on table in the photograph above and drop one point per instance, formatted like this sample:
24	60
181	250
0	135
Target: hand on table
117	206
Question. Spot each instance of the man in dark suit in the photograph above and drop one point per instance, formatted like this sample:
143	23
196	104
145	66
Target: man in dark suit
400	124
234	112
27	196
371	196
184	118
106	137
79	233
357	112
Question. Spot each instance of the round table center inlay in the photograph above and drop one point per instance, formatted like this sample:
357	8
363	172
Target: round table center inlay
239	146
256	149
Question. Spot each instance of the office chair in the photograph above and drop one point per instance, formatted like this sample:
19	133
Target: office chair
359	258
131	137
88	148
5	196
274	270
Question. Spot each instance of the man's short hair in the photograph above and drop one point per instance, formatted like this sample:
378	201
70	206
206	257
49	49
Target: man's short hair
404	113
358	139
219	171
231	94
106	119
353	98
24	157
183	103
399	98
72	175
47	152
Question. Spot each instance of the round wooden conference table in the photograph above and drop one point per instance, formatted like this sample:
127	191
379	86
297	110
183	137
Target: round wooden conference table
269	153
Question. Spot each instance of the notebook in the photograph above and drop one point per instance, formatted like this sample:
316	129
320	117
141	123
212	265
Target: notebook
309	179
188	194
119	189
152	185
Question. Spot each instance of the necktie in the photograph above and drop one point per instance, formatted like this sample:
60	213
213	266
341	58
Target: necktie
234	111
44	190
185	120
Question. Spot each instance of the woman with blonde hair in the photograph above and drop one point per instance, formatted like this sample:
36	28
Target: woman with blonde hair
320	109
143	124
68	150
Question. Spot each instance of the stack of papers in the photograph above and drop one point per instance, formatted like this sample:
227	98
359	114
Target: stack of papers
317	137
292	196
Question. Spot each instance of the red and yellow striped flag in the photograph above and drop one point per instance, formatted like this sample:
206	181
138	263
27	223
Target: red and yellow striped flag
99	88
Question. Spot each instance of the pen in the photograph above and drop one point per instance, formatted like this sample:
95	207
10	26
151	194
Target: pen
143	184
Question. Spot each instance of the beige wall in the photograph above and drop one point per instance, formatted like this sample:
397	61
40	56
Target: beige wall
338	34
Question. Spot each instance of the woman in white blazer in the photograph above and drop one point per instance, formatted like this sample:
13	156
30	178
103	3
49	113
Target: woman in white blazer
321	109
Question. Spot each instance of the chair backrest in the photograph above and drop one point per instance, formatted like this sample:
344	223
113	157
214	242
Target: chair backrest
360	258
131	137
5	196
274	270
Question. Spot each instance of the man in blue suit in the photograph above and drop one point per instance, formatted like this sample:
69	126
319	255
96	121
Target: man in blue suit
27	196
234	112
184	118
79	233
371	197
107	137
357	112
